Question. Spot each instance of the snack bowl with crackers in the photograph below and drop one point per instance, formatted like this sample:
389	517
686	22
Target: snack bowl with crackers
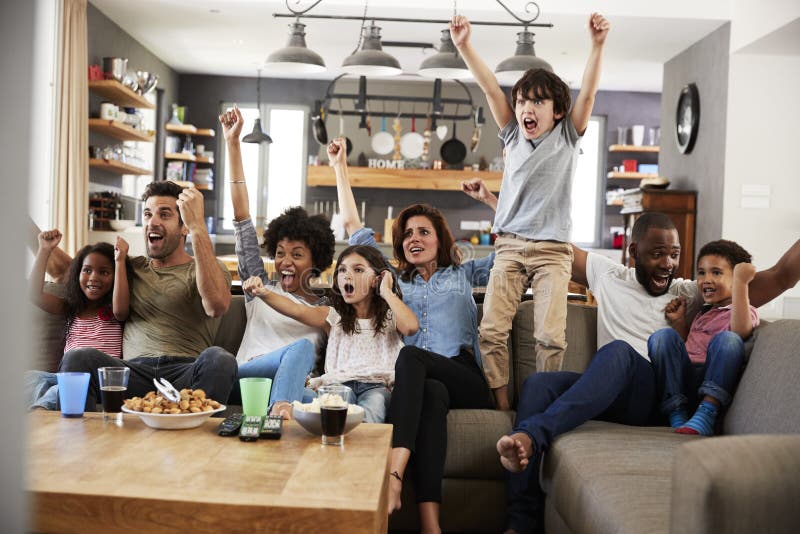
308	416
193	409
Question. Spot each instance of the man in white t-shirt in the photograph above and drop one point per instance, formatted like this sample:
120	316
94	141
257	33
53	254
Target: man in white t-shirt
620	384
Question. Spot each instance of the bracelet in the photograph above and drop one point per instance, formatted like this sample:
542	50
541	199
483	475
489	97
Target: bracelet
237	181
396	475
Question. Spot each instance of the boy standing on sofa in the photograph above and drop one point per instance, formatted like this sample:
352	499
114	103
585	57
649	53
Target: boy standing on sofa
533	222
712	355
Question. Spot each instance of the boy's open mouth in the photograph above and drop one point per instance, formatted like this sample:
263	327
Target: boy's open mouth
529	124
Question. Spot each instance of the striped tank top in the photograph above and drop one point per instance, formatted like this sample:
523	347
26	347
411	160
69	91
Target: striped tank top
102	332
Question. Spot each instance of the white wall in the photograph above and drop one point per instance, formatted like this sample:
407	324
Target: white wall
763	148
753	20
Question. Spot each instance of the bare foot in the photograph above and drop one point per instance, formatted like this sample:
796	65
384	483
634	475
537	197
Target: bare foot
282	408
395	489
515	450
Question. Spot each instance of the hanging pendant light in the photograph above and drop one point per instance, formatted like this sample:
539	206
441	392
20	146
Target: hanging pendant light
257	135
446	63
295	57
511	69
371	60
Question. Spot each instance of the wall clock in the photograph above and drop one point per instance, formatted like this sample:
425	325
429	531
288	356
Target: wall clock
687	119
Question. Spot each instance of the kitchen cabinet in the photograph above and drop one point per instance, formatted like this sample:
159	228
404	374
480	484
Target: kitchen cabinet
414	179
183	166
679	206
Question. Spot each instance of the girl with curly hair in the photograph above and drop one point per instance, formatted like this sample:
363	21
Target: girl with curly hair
364	323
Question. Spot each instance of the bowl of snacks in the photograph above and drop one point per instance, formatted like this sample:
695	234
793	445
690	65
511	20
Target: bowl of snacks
158	412
308	416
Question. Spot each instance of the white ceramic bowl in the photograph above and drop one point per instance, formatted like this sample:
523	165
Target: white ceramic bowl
311	420
118	225
175	421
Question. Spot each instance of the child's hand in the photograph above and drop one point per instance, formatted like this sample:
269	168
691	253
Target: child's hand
675	310
120	249
744	272
460	30
386	284
598	28
232	122
49	240
476	189
337	152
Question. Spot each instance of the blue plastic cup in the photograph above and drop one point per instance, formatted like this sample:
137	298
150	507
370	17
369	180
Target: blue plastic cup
72	389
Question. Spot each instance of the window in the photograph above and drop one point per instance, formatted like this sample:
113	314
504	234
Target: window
275	173
586	200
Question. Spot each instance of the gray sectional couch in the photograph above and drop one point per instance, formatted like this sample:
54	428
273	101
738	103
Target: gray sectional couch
605	477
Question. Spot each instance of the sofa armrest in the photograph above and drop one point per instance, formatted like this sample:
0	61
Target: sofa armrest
732	484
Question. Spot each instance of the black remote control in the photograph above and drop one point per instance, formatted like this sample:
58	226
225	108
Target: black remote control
272	427
251	428
230	426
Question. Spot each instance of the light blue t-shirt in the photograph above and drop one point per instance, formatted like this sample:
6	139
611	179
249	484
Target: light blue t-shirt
444	306
536	194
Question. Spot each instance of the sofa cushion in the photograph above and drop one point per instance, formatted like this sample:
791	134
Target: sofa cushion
767	400
231	328
606	477
471	439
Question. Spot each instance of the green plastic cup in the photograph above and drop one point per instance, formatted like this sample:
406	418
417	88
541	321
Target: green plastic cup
255	395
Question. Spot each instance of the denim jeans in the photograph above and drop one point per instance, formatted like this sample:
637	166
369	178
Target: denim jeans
288	368
41	390
374	398
213	371
619	386
678	379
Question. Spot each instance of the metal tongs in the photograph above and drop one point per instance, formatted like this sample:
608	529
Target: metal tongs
167	390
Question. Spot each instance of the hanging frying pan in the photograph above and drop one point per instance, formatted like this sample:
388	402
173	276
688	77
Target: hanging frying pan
382	142
341	130
453	151
412	143
320	132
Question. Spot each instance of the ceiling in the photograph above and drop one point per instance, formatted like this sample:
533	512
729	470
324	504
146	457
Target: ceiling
234	37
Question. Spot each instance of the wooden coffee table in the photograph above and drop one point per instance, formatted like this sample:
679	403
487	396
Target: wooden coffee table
88	475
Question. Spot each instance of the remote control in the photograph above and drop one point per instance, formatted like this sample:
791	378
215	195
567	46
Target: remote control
230	426
272	427
251	427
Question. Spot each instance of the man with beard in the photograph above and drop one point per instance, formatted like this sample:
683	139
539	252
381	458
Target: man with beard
176	301
620	383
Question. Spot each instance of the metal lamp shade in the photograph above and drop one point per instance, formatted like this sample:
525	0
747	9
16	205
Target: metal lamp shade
257	135
512	69
295	57
371	60
446	63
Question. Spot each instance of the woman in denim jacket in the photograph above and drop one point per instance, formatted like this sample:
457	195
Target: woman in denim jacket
440	367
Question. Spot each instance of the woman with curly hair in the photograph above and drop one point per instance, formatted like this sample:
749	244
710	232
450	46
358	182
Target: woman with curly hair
273	345
364	322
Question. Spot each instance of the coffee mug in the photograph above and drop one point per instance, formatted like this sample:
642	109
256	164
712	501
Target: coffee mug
108	111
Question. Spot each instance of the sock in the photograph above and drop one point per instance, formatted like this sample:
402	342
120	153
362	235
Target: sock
702	422
678	417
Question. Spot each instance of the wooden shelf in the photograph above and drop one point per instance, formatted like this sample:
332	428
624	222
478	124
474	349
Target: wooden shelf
188	129
633	148
118	167
119	94
631	175
419	179
118	130
180	156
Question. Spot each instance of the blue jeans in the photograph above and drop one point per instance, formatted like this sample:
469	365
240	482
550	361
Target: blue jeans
374	398
678	378
288	368
619	386
41	390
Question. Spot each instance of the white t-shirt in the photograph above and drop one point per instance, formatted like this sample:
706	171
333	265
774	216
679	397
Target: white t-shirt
361	356
268	330
625	310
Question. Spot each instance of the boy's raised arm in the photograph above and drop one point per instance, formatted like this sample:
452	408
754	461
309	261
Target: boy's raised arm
584	103
337	156
741	323
460	31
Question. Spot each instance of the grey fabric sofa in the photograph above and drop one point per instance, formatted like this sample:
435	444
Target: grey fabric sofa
604	477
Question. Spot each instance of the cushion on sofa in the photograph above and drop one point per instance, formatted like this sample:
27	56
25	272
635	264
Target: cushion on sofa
471	439
768	399
231	328
606	477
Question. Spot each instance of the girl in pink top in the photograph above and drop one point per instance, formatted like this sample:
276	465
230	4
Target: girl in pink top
712	355
94	305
